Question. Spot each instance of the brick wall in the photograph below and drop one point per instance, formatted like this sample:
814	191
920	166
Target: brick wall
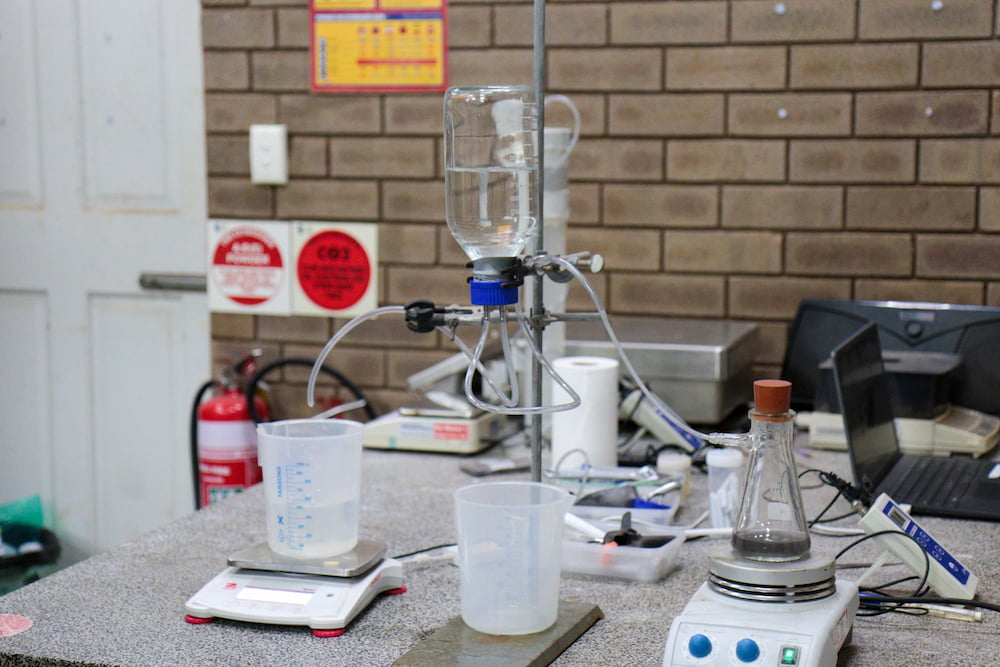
737	156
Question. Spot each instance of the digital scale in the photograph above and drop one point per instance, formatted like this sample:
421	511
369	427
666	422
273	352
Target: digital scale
446	421
323	594
437	430
764	614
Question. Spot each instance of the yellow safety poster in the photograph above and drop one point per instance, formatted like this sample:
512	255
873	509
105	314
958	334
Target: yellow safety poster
379	45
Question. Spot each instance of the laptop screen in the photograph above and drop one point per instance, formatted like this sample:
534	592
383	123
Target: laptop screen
863	390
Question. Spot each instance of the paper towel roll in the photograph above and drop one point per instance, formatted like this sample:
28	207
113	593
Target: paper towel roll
593	425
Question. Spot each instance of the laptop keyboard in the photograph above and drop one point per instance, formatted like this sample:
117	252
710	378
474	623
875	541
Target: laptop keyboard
935	482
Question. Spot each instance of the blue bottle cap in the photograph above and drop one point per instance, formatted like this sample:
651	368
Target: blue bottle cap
492	293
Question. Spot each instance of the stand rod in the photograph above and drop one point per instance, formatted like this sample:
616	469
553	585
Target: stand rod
538	307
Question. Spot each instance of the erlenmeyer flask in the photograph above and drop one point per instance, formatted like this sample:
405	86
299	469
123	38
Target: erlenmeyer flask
771	525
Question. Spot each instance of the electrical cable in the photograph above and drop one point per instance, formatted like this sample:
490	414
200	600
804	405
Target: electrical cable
836	531
424	550
819	517
806	472
845	490
933	600
832	519
923	578
888	584
251	387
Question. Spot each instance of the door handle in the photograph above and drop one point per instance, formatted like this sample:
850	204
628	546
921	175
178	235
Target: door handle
176	282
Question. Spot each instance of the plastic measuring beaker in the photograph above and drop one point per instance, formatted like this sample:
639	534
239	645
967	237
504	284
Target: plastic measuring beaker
509	540
312	485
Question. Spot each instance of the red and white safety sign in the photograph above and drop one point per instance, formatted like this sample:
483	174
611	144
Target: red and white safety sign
248	267
336	268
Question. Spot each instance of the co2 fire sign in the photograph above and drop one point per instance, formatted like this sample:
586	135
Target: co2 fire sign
336	268
248	267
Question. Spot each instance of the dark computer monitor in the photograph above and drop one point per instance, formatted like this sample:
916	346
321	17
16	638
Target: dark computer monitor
973	332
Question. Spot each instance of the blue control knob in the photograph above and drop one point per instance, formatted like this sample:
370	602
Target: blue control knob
747	650
699	645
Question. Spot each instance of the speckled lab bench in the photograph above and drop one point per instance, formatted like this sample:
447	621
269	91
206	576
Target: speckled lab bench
126	606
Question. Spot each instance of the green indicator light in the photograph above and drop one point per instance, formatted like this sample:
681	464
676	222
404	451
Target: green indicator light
789	656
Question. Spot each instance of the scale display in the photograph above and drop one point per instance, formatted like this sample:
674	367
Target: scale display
379	45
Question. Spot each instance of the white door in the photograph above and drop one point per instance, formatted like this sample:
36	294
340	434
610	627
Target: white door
102	177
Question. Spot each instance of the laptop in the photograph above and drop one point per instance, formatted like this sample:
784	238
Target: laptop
938	486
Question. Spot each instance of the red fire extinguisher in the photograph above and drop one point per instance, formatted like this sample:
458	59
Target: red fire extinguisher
227	445
226	438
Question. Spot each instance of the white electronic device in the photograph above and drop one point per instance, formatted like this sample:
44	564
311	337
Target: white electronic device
637	408
326	603
715	629
959	430
946	575
446	422
435	431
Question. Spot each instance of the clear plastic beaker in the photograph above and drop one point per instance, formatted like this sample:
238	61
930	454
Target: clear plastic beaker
312	485
725	485
509	549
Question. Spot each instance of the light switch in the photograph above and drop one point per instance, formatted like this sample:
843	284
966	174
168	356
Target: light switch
269	154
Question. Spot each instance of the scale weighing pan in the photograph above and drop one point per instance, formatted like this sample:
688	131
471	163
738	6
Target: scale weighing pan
363	557
323	594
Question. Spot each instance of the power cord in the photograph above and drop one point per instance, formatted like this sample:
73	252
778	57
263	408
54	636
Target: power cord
858	499
877	590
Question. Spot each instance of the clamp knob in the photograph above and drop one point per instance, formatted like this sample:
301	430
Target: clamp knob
420	316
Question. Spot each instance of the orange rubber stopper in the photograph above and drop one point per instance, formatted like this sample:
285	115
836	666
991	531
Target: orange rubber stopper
772	397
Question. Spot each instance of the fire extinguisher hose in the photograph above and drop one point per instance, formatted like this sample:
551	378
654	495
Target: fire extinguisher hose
195	472
251	386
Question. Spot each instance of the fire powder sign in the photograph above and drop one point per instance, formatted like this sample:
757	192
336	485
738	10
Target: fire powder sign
336	268
248	265
378	46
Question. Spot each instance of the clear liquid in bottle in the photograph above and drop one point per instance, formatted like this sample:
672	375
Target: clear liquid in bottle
490	169
487	211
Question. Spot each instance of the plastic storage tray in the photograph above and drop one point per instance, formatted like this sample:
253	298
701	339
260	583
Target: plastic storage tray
624	562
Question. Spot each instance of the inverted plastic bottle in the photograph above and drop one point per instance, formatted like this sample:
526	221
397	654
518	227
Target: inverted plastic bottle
771	525
491	174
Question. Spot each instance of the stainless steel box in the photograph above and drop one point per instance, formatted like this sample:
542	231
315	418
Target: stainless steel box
700	368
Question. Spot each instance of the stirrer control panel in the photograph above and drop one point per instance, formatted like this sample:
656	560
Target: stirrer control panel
714	630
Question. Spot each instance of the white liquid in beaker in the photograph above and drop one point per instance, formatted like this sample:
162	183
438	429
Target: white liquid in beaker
313	530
